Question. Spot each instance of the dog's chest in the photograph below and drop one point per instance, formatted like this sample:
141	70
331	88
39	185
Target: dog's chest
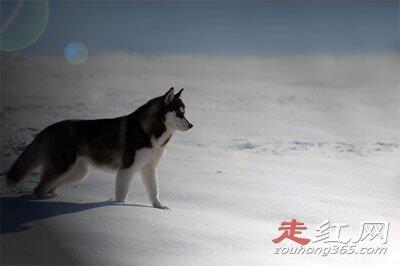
145	155
162	141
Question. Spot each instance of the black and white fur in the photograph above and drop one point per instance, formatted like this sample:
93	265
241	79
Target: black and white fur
66	150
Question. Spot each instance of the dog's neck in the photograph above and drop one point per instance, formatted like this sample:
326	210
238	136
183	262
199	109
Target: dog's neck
150	118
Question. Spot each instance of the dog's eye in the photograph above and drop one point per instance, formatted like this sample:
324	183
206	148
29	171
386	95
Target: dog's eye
181	110
179	113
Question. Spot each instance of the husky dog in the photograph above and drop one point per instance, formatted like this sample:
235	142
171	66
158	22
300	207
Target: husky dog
128	144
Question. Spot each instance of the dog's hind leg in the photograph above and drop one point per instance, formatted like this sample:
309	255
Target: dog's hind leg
77	174
51	176
47	181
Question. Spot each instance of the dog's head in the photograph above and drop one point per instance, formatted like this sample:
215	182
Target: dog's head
174	110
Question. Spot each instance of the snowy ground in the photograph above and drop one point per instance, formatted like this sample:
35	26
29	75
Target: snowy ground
309	137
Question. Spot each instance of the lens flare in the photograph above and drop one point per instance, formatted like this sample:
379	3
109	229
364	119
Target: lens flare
25	24
76	53
9	12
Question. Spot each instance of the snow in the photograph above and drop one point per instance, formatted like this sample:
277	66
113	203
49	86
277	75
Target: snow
311	137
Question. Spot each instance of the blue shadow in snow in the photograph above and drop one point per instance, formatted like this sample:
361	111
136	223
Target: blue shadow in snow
16	212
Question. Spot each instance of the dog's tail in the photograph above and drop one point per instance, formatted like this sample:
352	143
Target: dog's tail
27	162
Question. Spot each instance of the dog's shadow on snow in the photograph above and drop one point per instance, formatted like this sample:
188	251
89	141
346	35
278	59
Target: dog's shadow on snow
17	212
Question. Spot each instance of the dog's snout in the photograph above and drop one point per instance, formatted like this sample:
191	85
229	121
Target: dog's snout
190	125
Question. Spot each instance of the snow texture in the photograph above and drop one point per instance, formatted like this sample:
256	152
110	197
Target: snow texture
311	137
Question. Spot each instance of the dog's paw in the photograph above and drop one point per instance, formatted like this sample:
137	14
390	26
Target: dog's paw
119	200
40	196
51	195
160	206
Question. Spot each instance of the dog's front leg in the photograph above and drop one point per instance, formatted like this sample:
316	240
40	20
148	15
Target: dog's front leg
124	177
149	178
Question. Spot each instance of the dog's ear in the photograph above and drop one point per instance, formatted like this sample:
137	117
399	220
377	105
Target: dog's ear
178	94
169	96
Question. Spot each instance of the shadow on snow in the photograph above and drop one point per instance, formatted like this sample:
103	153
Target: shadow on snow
16	212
